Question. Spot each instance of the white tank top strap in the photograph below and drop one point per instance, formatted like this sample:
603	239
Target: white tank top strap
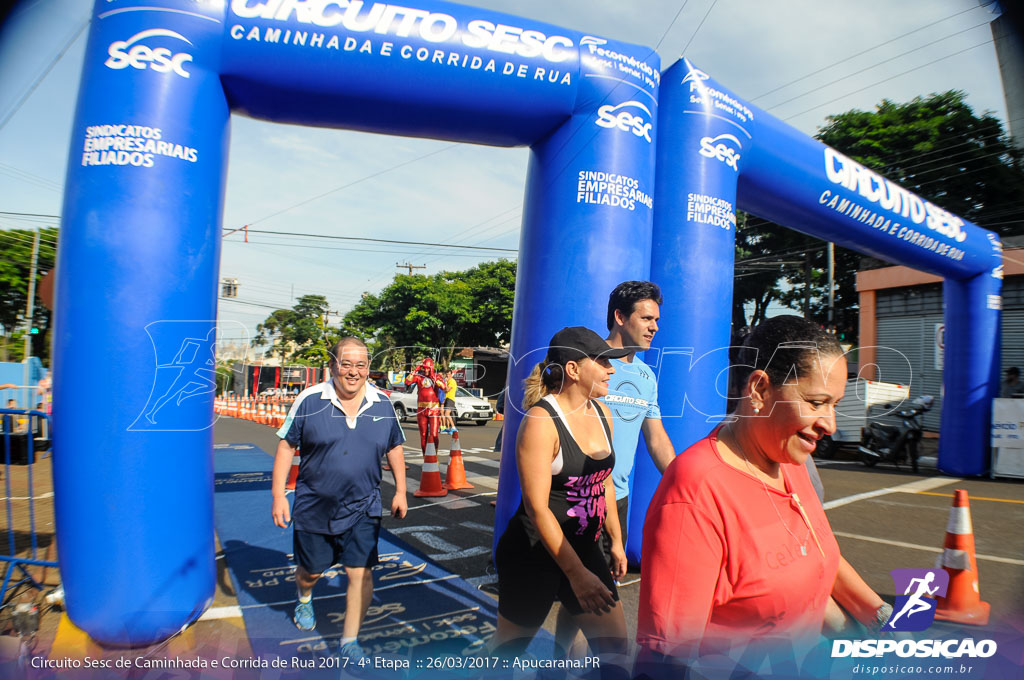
556	464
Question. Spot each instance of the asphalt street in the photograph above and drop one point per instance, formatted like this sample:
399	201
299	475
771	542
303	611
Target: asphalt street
883	518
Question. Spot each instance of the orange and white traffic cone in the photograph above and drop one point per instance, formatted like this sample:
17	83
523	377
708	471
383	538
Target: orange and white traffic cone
962	603
430	477
456	477
293	474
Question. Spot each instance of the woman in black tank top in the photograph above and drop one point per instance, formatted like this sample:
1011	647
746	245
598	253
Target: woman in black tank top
550	549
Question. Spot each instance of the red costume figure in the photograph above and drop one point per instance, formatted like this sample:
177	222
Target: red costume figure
428	408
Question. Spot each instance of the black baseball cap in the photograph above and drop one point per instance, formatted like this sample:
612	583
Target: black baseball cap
573	343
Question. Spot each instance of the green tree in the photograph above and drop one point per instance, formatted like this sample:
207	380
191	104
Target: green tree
765	257
419	313
935	146
941	150
299	334
15	271
493	287
270	331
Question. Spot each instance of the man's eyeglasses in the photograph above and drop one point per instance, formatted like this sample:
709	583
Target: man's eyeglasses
348	365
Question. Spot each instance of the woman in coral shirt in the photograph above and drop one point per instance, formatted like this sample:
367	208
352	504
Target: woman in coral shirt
738	553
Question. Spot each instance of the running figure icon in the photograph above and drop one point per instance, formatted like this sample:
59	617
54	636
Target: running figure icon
915	603
196	369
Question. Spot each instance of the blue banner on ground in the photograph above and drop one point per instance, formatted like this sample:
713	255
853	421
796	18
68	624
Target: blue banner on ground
420	612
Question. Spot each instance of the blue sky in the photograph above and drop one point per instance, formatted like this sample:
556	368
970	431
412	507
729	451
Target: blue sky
799	59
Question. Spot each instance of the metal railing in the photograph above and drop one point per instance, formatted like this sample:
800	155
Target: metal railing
23	432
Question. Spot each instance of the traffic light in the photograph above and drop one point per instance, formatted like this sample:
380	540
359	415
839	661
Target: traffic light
34	331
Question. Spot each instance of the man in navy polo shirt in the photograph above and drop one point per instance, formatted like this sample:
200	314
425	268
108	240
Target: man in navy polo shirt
343	427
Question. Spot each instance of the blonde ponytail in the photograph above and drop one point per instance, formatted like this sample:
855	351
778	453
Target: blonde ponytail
533	387
544	379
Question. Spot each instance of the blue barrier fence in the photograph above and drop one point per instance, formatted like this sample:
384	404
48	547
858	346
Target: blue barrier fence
25	434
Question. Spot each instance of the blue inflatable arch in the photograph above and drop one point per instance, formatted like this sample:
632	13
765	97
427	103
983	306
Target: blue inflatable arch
137	266
139	252
717	152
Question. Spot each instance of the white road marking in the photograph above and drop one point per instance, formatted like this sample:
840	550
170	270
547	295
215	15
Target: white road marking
486	482
48	494
376	588
489	462
910	487
914	546
213	613
486	528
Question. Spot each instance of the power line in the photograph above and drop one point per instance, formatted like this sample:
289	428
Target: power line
670	25
392	251
29	178
375	240
251	304
885	80
697	30
23	214
24	98
818	88
351	184
861	53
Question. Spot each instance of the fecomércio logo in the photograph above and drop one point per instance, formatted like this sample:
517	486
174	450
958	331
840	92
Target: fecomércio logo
695	75
914	610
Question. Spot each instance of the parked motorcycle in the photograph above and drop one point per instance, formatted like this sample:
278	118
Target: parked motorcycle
896	443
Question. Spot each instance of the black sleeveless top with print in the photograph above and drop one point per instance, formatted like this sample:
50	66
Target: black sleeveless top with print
577	496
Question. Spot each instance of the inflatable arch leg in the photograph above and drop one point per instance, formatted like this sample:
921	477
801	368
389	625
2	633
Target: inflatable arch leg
693	264
971	373
137	265
575	246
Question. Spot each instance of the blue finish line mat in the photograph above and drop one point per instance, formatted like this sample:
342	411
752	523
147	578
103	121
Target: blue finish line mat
420	612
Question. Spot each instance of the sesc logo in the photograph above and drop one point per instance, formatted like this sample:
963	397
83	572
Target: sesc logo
720	147
626	121
140	56
915	609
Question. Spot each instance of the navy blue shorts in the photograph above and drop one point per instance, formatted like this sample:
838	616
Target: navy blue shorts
356	547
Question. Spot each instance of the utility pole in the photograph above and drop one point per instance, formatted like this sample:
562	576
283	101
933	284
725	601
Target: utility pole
831	287
30	307
807	283
410	267
324	328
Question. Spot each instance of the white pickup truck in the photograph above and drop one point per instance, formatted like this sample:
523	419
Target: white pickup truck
467	407
863	398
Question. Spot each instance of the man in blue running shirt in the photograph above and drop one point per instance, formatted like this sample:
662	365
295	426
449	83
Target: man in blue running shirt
633	313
